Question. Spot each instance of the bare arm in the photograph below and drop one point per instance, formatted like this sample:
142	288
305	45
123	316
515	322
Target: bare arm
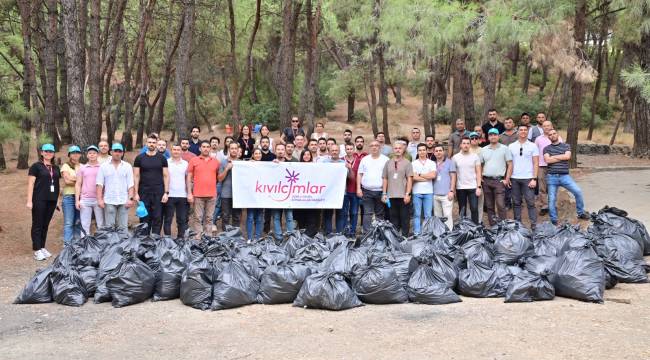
479	176
535	166
359	177
136	179
508	171
68	179
77	191
409	184
166	179
224	173
30	190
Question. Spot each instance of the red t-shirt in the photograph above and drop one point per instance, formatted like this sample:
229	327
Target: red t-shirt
204	173
351	182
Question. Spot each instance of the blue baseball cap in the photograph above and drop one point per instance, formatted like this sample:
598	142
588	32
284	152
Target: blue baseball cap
92	147
48	147
473	134
74	149
493	131
118	147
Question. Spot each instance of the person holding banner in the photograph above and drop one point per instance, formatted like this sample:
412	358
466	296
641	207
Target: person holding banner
255	217
277	213
369	184
308	219
397	184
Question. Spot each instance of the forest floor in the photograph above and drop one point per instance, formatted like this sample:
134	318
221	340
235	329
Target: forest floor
473	329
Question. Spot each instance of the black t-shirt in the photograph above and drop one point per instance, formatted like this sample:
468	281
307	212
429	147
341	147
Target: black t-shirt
247	147
45	177
290	134
487	126
151	172
268	156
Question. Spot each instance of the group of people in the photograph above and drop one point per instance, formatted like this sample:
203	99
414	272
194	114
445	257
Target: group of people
405	183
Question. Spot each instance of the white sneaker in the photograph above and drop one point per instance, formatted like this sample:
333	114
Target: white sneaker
46	253
39	256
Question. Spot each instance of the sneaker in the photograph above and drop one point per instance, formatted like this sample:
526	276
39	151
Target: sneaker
543	212
39	256
46	253
584	216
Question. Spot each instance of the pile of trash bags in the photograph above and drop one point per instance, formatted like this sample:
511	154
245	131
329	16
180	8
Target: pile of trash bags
336	273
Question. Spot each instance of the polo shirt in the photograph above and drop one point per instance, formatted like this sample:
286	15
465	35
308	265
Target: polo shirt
116	182
558	168
372	170
397	173
442	183
386	150
495	160
187	155
88	176
203	172
522	159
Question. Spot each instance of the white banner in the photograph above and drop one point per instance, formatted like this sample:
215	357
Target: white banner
288	185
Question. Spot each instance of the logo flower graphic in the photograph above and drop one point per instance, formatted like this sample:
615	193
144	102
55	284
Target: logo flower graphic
292	176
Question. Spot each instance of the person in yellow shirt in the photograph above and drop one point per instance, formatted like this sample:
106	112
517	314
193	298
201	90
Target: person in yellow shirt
71	219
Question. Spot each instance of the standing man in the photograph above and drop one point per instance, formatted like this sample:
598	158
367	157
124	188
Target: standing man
214	147
322	154
350	199
151	178
481	135
265	144
385	149
424	172
161	146
493	122
370	184
456	137
537	129
195	142
201	178
186	154
177	201
397	182
542	142
290	133
280	151
468	180
430	143
103	155
229	215
443	194
347	139
557	156
533	131
497	168
339	220
412	148
525	165
510	134
115	189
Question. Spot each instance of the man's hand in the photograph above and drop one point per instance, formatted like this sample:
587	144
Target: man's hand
478	191
190	198
77	204
532	183
506	182
129	204
164	199
359	193
450	195
384	198
29	205
136	197
407	199
101	203
229	166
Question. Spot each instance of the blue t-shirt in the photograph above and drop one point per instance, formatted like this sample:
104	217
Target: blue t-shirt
442	183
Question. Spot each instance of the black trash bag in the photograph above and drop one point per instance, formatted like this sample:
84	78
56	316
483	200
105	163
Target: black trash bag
197	280
511	242
335	240
344	258
327	290
295	240
618	220
67	286
623	257
543	246
610	280
234	287
477	279
434	226
89	277
580	274
527	286
417	243
89	251
281	283
131	282
38	289
425	287
565	235
107	236
539	264
478	250
443	269
383	236
404	264
378	283
168	278
504	274
312	254
110	261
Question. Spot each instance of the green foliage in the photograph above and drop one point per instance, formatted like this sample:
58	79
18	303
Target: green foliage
359	116
638	79
515	103
443	115
265	113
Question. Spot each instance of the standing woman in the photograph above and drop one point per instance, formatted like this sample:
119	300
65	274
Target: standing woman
42	195
246	143
255	217
264	131
307	219
319	132
86	191
70	213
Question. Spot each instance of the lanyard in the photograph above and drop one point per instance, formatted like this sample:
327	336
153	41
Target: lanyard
395	165
50	169
245	142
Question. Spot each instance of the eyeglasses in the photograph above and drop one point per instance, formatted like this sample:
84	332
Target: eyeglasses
294	121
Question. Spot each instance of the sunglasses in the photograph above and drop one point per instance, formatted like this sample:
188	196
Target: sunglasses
118	151
473	138
521	151
294	121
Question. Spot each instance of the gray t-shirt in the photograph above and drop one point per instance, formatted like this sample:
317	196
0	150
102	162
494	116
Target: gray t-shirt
562	167
442	182
466	170
397	174
506	139
226	184
454	140
495	160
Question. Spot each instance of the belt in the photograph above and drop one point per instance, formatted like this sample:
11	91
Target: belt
497	178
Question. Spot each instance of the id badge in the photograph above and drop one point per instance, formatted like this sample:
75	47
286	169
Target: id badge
395	176
245	152
52	188
438	178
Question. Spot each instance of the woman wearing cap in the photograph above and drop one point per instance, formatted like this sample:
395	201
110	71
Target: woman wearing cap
86	191
70	212
42	196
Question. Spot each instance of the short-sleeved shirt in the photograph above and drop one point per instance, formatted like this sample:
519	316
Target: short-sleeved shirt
115	181
423	187
268	156
466	170
506	139
177	172
187	155
542	142
88	175
247	146
386	150
487	126
495	160
522	159
397	174
351	182
66	168
534	132
290	134
372	170
226	183
204	171
322	158
151	173
442	183
412	149
454	141
195	147
45	178
561	167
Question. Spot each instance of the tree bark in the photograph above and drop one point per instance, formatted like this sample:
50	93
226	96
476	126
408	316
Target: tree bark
371	97
488	77
182	67
127	135
51	96
383	91
351	100
599	79
467	90
3	162
527	70
514	51
641	145
64	121
95	83
457	103
575	115
308	99
170	49
612	75
286	59
397	93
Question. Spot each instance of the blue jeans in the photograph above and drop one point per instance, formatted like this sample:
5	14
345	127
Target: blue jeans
217	206
71	220
350	213
277	221
255	216
327	220
553	181
422	205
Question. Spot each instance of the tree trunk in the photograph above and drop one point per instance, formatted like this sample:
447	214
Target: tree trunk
426	104
542	86
82	135
488	81
117	112
514	58
308	99
191	111
64	119
457	103
612	75
599	78
397	93
575	115
3	162
618	124
127	135
286	59
642	105
383	91
170	49
182	67
351	99
51	96
467	89
527	71
142	111
81	14
95	81
371	97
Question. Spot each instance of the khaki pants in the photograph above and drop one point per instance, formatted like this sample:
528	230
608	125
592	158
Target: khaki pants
442	208
203	207
541	184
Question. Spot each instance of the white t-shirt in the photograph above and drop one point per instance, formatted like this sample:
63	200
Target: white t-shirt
177	172
466	170
372	170
423	187
522	159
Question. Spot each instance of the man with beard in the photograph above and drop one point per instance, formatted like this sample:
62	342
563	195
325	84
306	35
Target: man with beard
103	152
492	122
195	142
299	143
289	152
322	155
533	131
430	143
347	140
267	155
151	179
186	154
384	149
456	137
313	148
510	135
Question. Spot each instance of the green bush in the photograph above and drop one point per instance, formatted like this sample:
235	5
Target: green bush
266	113
515	104
359	116
443	115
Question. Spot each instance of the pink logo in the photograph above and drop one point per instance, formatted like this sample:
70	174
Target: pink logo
283	190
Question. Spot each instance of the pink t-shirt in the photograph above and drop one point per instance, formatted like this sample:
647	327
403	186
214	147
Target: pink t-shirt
543	141
89	185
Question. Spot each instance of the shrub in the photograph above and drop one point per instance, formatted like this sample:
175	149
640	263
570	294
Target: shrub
265	113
